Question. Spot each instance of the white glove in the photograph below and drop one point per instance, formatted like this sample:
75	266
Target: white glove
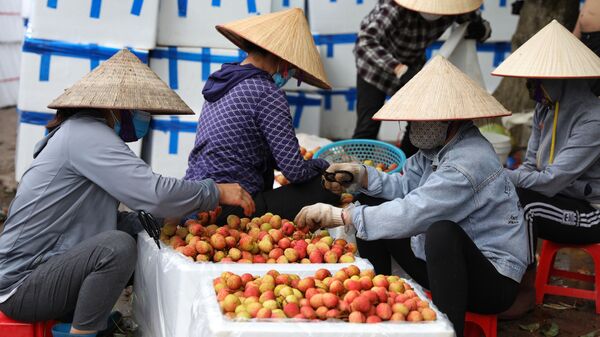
319	216
337	180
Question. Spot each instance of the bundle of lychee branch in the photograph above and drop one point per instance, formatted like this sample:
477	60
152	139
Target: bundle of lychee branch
265	239
348	294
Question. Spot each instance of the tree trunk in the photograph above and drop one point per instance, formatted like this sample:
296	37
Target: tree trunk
535	14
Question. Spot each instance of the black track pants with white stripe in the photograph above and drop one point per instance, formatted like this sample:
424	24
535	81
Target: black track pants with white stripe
560	219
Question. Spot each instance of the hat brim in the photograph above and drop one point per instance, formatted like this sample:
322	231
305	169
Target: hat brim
242	42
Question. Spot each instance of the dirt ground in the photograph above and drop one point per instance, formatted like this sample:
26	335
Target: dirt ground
576	318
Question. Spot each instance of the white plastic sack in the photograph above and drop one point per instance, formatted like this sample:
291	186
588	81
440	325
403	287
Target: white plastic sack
463	54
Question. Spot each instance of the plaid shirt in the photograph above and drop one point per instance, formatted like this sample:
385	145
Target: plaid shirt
391	35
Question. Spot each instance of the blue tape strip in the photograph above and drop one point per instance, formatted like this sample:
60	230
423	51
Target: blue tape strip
95	9
94	53
136	7
52	3
173	126
500	50
299	101
502	3
349	94
34	117
182	6
331	40
173	72
285	3
358	2
204	57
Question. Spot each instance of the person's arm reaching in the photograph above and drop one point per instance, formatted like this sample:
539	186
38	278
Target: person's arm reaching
111	165
275	121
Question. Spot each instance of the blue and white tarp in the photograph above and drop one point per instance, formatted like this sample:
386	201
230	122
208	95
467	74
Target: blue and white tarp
118	23
192	23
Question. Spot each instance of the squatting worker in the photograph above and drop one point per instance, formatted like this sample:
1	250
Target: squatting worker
245	130
452	220
62	255
559	180
391	47
587	29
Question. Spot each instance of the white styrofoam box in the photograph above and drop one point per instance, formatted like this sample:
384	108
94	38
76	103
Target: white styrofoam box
498	13
49	67
169	143
306	111
187	69
26	8
166	284
391	131
10	57
11	24
338	58
489	54
208	321
279	5
115	23
192	23
338	118
338	16
463	54
31	130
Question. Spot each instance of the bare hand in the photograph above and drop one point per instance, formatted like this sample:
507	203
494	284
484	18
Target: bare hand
235	195
400	70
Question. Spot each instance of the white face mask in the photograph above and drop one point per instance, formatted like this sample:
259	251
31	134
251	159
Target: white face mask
428	135
430	17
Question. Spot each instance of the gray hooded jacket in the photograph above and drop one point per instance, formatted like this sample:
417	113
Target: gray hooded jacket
575	171
72	190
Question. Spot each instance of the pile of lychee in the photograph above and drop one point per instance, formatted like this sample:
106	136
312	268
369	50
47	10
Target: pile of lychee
349	295
265	239
382	167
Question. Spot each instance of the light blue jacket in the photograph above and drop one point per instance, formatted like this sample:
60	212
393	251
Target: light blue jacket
575	171
462	182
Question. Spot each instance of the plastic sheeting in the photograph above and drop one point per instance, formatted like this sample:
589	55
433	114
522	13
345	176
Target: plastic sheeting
207	320
167	284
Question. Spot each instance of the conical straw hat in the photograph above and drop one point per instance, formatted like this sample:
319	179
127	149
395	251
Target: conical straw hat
441	7
439	92
123	82
285	34
553	52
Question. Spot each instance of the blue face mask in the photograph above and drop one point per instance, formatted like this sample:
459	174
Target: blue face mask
141	123
281	79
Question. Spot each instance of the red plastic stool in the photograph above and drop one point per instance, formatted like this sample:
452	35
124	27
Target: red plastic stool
476	324
546	269
11	328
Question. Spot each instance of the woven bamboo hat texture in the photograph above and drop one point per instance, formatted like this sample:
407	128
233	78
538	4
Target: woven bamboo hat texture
440	92
285	34
441	7
123	82
553	52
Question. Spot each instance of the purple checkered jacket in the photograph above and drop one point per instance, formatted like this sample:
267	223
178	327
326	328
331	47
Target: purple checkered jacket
245	134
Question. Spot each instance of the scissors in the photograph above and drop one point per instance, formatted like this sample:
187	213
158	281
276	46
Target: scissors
346	177
150	225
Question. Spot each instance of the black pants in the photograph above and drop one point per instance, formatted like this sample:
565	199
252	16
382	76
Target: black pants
592	41
459	277
287	200
560	219
369	99
82	284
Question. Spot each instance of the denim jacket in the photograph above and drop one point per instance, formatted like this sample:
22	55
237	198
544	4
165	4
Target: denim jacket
462	182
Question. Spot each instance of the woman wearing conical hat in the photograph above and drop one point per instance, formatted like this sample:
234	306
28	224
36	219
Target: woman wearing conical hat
452	220
64	252
559	180
245	129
